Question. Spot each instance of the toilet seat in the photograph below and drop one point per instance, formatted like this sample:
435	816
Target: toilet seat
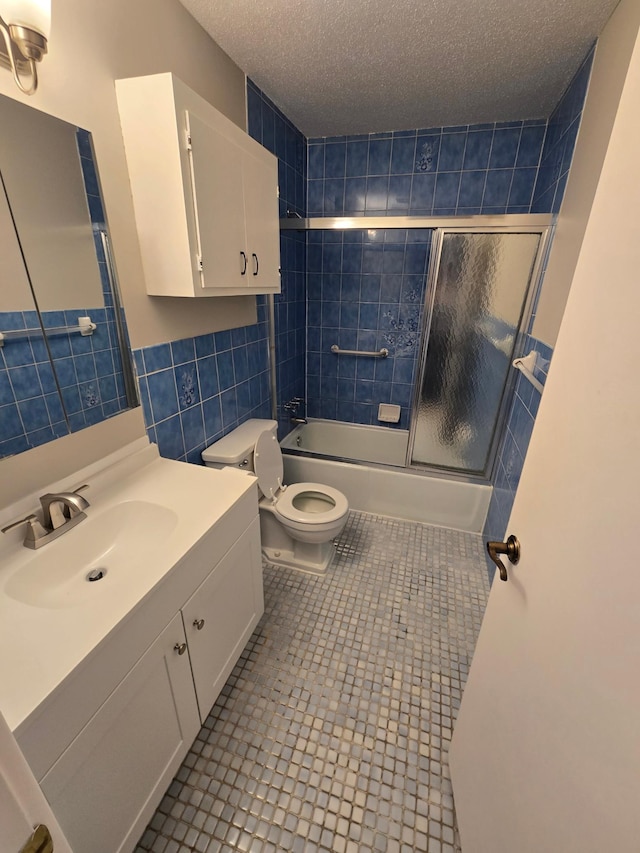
285	504
269	469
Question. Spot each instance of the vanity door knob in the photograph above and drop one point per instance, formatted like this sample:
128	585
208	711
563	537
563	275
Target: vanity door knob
181	648
198	624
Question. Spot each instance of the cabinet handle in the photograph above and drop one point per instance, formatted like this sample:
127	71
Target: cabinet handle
181	648
198	624
244	259
255	263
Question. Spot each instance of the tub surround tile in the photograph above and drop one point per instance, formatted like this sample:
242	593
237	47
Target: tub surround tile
290	146
376	304
560	140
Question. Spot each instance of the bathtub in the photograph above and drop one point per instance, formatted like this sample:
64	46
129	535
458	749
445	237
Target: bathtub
366	464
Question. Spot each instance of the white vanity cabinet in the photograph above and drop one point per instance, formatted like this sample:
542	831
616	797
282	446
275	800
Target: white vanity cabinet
126	756
107	744
205	194
220	617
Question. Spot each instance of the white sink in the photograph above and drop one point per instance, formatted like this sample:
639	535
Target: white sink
108	546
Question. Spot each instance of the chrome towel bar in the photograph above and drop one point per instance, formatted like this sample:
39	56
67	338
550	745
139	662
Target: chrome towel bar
526	365
85	327
382	353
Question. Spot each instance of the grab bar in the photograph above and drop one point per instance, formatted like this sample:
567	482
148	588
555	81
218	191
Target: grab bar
85	327
526	365
382	353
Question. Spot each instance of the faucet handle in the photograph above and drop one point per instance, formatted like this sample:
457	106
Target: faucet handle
35	531
13	524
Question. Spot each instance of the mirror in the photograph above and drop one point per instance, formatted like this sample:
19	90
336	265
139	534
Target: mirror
65	361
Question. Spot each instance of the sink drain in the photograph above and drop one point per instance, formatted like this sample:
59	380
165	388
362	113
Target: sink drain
96	575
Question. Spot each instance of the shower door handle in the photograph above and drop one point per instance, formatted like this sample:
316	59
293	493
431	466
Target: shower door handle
512	550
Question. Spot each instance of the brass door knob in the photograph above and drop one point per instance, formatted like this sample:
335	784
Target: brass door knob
511	548
40	841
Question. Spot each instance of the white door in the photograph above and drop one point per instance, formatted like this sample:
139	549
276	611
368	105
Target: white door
546	751
22	803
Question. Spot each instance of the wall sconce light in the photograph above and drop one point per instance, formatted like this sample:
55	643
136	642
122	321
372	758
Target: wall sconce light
24	25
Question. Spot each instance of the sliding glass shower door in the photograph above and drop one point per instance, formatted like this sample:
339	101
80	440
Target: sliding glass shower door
478	290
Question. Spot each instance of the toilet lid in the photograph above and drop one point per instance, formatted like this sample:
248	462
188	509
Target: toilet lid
267	464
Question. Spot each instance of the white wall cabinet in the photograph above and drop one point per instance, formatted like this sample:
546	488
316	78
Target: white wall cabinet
108	778
205	194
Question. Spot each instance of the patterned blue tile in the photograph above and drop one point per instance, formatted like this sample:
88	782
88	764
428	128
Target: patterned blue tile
186	380
427	151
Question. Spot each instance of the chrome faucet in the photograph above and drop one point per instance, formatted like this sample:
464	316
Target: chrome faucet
60	512
293	407
59	508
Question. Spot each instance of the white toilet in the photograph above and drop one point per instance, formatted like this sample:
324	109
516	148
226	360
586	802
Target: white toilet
298	523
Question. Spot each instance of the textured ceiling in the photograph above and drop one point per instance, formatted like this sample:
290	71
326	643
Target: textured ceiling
362	66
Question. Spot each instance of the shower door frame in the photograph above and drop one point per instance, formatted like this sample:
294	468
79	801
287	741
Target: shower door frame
533	288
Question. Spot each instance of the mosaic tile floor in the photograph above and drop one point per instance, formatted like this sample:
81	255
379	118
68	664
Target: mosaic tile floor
333	729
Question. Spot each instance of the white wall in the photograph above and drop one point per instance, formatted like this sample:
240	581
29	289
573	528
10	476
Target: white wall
609	72
93	43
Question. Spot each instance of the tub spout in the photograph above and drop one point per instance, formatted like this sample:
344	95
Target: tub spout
297	421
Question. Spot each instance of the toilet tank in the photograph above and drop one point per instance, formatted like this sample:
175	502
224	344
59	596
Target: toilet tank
236	448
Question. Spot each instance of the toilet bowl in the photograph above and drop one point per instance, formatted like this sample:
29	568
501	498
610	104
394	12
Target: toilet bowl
298	523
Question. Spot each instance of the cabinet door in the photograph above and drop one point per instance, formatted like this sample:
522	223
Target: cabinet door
260	177
216	170
221	615
105	786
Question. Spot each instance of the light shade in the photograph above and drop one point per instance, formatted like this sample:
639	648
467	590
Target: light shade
34	14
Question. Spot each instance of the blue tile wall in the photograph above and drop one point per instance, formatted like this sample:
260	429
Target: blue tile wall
30	409
365	291
446	171
515	441
87	372
504	167
196	390
560	141
269	126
